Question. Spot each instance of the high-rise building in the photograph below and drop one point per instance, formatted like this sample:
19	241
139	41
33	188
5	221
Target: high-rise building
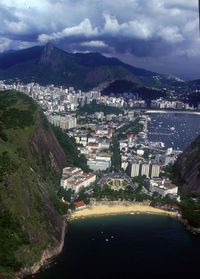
145	169
154	170
135	169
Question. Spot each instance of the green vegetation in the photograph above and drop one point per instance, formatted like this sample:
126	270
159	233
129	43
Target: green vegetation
128	194
7	165
29	173
158	201
116	158
14	113
190	208
12	237
59	206
169	171
83	196
139	180
74	158
94	107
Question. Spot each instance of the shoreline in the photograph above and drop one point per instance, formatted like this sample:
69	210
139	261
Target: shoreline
96	210
149	111
48	256
100	210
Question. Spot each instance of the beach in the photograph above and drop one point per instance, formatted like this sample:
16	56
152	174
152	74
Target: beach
115	209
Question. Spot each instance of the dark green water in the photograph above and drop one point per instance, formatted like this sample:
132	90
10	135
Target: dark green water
128	246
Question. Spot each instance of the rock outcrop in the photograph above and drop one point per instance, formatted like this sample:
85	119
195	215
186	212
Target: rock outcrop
187	168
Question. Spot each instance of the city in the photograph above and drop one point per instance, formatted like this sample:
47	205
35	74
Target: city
99	139
113	140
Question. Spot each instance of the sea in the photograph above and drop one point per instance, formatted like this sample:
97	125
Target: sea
176	130
126	246
134	246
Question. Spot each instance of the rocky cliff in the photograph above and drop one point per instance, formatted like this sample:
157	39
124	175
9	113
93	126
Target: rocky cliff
31	161
187	168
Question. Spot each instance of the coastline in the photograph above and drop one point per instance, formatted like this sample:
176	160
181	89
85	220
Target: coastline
149	111
99	210
193	230
117	209
47	256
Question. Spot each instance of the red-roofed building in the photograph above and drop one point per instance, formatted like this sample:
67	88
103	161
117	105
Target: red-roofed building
79	204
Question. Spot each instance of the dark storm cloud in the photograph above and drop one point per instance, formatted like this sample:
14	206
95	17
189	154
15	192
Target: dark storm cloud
142	28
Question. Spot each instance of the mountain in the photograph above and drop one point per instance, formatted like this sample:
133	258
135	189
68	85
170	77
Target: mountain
31	160
51	65
187	169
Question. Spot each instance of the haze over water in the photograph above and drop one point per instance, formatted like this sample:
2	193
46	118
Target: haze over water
127	246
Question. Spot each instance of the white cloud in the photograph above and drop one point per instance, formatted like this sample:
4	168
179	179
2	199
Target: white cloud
171	34
83	29
94	44
4	44
16	27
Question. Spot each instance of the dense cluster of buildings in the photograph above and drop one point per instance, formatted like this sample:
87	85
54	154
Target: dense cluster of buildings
54	99
166	104
58	103
95	147
93	134
61	100
74	178
121	102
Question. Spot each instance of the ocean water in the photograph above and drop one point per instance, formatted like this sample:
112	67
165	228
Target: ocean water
127	246
175	130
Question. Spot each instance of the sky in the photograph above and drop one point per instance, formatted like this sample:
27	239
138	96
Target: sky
158	35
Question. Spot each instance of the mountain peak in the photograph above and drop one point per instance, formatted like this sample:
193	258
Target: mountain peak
49	46
46	53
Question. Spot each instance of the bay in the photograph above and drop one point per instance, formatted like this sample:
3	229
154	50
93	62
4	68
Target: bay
127	246
176	130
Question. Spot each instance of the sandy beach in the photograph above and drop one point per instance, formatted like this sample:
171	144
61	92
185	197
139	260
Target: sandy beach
114	209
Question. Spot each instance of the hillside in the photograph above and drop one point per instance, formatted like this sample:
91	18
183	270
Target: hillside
119	87
51	65
187	176
31	161
187	169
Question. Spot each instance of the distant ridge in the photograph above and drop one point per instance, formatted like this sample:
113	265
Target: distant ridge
50	65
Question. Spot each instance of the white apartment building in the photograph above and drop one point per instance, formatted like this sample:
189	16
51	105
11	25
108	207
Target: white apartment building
75	179
99	165
162	187
135	169
155	170
145	169
140	168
